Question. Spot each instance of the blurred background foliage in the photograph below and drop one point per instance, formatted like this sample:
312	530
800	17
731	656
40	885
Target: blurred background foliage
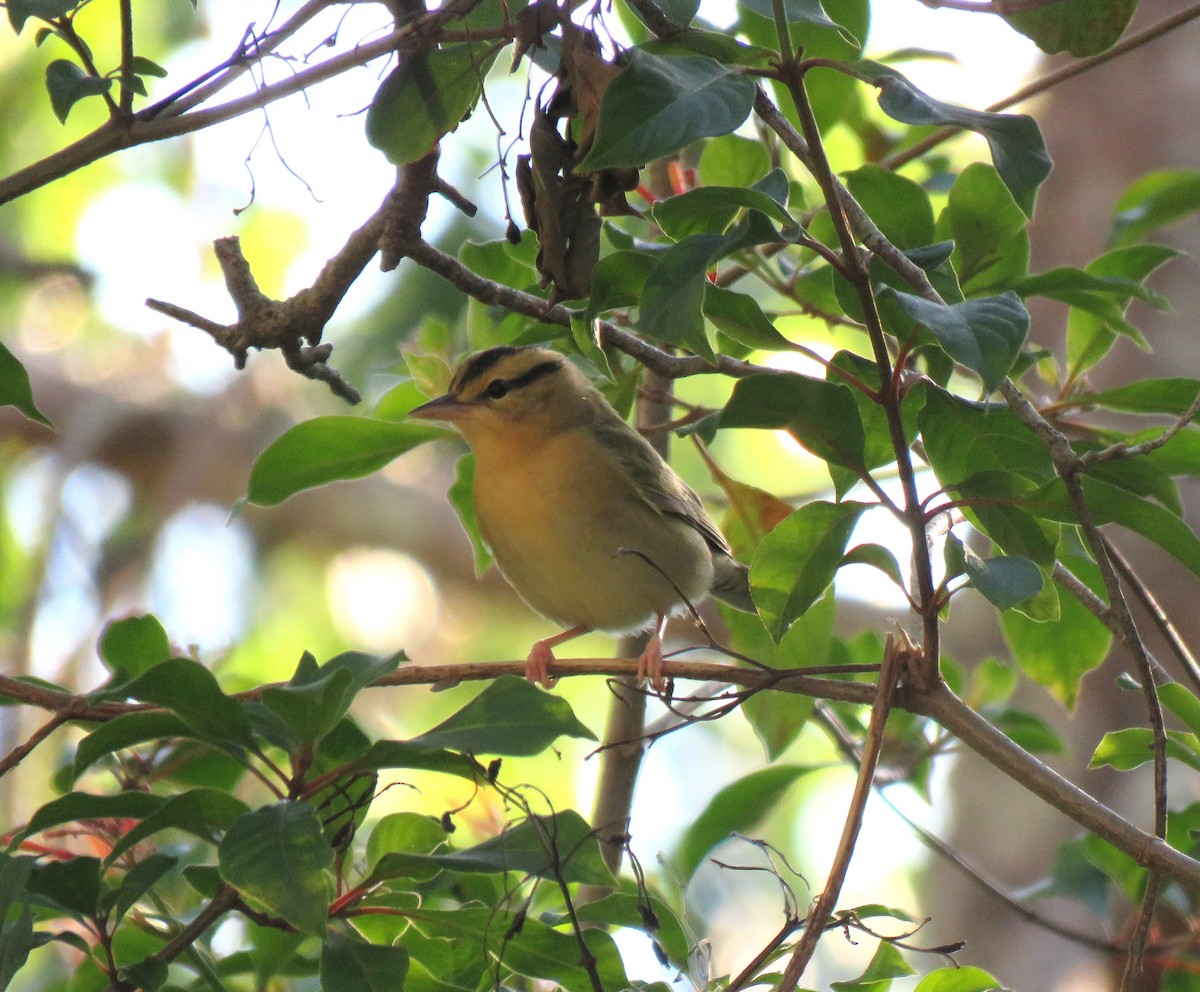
131	503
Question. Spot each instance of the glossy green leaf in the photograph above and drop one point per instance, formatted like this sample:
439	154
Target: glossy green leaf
640	912
191	692
15	389
85	806
351	965
886	964
75	884
1004	581
1127	749
541	846
1180	701
312	703
820	415
68	83
1153	201
124	731
1091	333
732	160
140	879
660	104
425	97
412	833
402	754
279	858
510	717
709	210
19	11
991	244
984	334
898	206
797	561
878	557
328	449
964	438
130	646
1018	151
739	316
958	979
1111	504
1170	396
204	813
1082	27
1058	653
737	808
672	303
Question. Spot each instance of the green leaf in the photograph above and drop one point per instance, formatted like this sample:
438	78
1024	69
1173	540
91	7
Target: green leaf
1111	504
1153	201
15	389
314	702
1082	27
425	97
709	210
737	808
85	806
1170	396
147	67
739	316
983	334
278	857
204	813
958	979
191	692
640	912
462	497
820	415
67	84
17	938
327	449
1004	581
19	11
886	964
1058	653
660	104
356	966
1127	749
510	717
617	281
672	303
130	646
1018	151
1090	335
796	11
1183	703
74	885
964	439
140	879
1027	731
899	207
797	561
732	160
412	833
541	846
124	731
991	244
402	754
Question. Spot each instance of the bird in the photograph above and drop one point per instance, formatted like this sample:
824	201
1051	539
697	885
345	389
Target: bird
586	521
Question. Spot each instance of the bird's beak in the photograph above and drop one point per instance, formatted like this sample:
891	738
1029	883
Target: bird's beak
446	408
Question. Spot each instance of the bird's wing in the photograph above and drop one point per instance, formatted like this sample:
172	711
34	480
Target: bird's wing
655	480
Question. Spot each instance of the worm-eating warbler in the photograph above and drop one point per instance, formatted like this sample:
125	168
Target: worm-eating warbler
588	524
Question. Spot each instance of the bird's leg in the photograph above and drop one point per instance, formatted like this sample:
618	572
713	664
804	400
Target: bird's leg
650	664
541	655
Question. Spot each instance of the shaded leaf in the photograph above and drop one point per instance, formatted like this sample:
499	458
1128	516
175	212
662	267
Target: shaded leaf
660	104
15	389
204	813
1153	201
510	717
672	301
1018	151
462	497
1082	27
991	244
350	965
278	857
314	701
19	11
737	808
191	692
425	97
68	83
1004	581
127	730
739	316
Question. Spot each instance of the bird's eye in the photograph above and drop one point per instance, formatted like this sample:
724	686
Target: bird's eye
496	389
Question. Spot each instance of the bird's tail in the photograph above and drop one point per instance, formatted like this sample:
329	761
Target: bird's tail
731	583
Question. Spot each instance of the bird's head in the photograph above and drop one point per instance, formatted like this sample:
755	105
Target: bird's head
509	393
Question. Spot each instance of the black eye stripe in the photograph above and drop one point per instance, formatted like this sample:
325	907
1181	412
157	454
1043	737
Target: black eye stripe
479	364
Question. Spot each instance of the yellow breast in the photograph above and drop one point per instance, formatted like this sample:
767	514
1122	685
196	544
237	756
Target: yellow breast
558	515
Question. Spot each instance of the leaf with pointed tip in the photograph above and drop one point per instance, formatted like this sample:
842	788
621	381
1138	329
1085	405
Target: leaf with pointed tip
1082	27
68	83
15	389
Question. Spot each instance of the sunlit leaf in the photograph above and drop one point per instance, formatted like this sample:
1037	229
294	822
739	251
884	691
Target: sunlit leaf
1153	201
130	646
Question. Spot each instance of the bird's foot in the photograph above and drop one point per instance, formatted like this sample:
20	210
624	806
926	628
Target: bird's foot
537	665
651	662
